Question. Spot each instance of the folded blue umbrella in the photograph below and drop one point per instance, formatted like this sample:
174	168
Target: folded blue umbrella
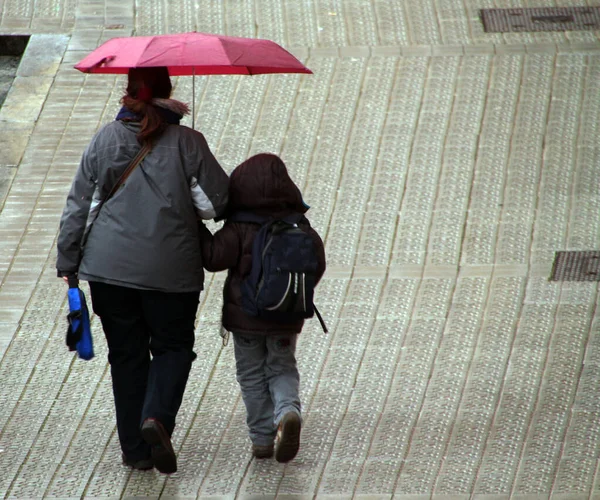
79	334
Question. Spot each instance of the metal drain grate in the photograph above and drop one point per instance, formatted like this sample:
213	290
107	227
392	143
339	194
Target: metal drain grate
540	19
576	266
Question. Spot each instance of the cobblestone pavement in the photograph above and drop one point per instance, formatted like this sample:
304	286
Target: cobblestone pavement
445	166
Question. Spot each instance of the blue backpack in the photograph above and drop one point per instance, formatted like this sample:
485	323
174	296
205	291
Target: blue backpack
281	283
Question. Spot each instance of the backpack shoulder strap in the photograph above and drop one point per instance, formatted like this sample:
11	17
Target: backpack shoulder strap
244	216
130	168
320	318
294	218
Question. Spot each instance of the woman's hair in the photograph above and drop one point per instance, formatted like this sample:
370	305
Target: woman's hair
143	85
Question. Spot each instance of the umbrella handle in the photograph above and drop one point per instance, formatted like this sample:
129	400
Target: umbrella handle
73	281
194	98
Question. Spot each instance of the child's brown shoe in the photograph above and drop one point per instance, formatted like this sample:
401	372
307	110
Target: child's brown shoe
288	437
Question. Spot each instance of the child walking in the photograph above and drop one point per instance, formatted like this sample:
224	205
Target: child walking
264	349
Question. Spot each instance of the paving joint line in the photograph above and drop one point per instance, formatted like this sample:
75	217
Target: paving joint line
385	281
547	364
452	296
363	73
212	464
476	149
454	426
503	383
535	404
585	342
315	137
577	160
417	416
25	387
321	473
453	422
79	425
390	275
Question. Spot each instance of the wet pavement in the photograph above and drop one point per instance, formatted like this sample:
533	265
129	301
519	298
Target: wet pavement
444	167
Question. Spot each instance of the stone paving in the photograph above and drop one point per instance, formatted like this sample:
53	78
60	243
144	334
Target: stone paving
445	166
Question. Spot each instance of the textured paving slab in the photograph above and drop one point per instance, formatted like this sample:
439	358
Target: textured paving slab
444	167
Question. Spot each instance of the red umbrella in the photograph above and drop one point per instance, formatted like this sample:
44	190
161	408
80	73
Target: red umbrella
192	54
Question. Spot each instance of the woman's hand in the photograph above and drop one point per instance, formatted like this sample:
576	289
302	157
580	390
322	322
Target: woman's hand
69	277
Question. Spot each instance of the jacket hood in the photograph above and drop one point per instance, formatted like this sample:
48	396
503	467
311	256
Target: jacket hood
262	184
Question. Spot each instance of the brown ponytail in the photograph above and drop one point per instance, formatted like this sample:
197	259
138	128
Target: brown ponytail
143	85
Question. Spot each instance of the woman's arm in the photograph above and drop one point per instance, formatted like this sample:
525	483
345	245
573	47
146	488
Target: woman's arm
209	185
75	215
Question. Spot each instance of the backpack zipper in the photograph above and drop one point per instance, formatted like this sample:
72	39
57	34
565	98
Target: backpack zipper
285	294
303	291
262	277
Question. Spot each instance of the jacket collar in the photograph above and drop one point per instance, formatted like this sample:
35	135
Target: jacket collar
171	110
172	118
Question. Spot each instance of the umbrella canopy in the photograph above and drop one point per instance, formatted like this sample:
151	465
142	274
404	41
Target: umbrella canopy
192	54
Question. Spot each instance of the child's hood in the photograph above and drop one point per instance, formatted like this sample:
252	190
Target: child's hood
262	184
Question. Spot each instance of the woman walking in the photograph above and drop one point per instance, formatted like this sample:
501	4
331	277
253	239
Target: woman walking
135	240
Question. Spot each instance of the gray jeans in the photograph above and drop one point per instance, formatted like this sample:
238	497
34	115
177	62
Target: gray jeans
269	380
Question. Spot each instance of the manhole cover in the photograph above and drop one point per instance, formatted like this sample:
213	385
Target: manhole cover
576	266
541	19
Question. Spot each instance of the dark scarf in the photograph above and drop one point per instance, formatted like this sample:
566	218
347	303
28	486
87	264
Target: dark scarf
168	116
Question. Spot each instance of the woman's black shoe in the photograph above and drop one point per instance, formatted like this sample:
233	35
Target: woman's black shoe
143	464
162	451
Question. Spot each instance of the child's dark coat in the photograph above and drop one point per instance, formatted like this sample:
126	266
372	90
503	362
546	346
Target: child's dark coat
262	185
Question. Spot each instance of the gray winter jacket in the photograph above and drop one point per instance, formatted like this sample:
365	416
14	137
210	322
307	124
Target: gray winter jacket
146	235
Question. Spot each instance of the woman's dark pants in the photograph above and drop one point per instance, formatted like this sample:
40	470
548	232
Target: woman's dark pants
137	323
